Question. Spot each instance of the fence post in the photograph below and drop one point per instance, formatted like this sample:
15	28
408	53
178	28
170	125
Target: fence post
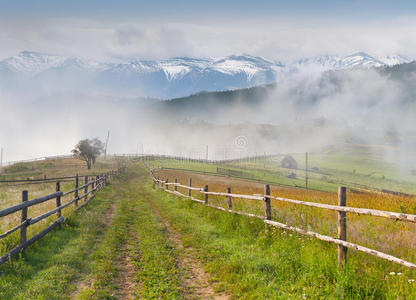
190	185
98	185
230	201
166	184
92	185
58	199
76	191
342	226
158	181
268	208
23	229
176	182
86	187
154	183
206	195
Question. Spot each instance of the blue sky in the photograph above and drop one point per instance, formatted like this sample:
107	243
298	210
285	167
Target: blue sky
129	9
278	30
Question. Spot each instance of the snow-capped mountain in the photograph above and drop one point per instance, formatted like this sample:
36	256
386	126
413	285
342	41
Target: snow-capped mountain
169	78
33	63
395	59
177	68
357	60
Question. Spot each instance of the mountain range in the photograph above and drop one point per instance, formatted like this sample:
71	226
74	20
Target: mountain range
37	73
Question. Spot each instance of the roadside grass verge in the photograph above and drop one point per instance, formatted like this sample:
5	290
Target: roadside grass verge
251	261
11	194
386	235
51	268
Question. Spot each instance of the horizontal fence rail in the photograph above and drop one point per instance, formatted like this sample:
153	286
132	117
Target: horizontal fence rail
90	188
45	179
341	208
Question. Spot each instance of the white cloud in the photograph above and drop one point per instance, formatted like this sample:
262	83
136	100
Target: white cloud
278	40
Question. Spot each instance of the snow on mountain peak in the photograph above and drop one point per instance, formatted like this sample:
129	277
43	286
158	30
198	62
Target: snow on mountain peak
29	62
354	61
394	59
360	60
33	62
249	65
179	76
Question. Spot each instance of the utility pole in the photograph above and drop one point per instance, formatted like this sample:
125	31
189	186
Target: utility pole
306	177
206	156
106	144
142	153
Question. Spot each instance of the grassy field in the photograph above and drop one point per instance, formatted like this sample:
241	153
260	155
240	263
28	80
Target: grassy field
135	242
11	193
251	262
396	238
354	166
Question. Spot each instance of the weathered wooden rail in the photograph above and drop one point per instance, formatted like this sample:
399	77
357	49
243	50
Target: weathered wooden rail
44	179
90	189
341	208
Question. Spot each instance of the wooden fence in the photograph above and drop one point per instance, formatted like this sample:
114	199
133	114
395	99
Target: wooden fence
90	188
341	208
44	179
353	186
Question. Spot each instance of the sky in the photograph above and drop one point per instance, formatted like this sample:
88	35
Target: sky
353	9
126	30
278	30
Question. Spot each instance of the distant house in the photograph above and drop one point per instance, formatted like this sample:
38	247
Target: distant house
292	176
289	162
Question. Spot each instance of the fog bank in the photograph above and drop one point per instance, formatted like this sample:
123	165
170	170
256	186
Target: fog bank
302	113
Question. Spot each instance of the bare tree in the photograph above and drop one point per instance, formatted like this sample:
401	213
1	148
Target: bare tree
88	150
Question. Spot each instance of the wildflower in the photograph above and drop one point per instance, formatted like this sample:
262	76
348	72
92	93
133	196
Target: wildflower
392	273
399	274
411	280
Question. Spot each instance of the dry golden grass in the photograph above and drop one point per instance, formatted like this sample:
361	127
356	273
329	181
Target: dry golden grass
393	237
11	193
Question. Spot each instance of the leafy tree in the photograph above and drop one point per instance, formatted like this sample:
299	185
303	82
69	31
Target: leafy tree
88	150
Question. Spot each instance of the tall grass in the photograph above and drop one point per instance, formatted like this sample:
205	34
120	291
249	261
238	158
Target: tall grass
252	261
10	194
393	237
